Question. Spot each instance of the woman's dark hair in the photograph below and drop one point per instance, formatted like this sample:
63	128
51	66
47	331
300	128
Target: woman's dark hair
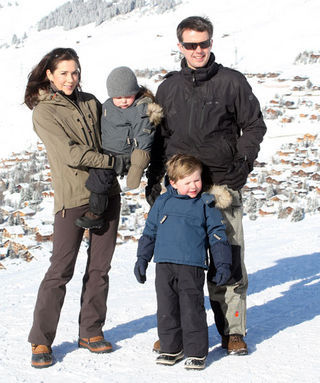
195	23
38	79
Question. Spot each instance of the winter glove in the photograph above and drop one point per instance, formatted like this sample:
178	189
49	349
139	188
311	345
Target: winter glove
237	176
223	274
152	193
121	164
140	270
139	161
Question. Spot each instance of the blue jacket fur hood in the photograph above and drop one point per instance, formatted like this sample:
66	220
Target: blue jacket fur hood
180	229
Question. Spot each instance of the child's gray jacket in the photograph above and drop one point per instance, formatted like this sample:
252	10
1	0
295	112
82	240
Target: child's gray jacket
130	131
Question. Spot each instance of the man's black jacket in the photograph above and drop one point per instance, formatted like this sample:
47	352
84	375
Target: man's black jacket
210	113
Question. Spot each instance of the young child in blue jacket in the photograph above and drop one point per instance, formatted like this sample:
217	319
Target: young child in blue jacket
181	226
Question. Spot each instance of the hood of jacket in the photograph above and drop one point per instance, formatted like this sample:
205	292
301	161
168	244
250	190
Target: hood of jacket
218	195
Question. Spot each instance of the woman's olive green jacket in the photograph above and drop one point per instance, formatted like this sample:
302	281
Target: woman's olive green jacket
70	132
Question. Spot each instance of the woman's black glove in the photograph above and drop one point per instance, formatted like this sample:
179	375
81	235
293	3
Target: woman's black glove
121	164
237	176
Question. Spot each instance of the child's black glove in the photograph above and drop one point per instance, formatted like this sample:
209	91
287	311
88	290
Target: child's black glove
223	274
140	270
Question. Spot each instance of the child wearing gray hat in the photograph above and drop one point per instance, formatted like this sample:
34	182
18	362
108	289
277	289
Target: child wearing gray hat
128	122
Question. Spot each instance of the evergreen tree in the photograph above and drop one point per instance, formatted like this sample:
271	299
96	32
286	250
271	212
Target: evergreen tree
11	220
251	205
125	207
269	191
297	215
17	220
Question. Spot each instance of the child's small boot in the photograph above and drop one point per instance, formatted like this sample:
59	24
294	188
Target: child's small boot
169	359
90	221
195	363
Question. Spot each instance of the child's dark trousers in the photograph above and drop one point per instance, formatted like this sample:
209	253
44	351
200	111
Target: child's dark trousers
182	321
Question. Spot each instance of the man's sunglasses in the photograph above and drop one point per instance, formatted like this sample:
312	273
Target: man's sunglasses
194	46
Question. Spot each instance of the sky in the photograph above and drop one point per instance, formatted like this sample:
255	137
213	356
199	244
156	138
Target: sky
282	257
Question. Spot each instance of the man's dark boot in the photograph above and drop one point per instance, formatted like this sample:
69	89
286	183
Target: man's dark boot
236	345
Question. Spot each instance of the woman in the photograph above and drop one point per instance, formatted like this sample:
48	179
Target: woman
67	121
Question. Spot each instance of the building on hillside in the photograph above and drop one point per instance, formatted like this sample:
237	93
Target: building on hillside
13	231
44	233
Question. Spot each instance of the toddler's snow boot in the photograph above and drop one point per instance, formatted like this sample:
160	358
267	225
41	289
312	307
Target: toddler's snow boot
169	359
41	356
195	363
96	344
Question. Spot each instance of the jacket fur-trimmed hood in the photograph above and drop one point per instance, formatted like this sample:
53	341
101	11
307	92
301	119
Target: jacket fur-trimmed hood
155	113
222	196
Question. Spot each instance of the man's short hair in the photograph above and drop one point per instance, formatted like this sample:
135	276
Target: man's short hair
182	165
196	23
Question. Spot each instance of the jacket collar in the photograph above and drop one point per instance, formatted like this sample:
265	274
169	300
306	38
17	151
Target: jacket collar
201	74
58	97
172	191
207	198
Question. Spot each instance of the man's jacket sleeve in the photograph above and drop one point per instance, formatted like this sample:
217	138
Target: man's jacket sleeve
249	121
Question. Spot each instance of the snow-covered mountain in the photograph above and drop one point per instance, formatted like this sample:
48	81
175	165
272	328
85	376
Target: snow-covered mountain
258	38
254	37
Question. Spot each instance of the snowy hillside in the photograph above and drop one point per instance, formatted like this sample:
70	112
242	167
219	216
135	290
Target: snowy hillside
266	41
251	36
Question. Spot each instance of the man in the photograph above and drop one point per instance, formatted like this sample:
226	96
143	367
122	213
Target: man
212	114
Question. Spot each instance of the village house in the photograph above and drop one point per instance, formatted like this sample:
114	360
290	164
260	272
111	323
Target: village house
25	212
44	233
267	211
13	231
7	210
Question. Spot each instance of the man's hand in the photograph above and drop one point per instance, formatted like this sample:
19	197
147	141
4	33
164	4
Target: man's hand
237	176
152	193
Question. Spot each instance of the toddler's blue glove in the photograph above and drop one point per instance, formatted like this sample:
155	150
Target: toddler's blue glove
140	270
223	274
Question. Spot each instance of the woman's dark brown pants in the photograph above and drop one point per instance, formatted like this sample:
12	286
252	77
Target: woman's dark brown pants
66	243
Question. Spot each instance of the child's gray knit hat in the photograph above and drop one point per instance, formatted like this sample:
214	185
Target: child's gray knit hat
122	82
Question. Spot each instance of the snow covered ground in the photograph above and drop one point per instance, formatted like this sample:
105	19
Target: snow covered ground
283	262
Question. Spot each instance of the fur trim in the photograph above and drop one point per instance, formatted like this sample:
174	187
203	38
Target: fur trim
155	113
222	196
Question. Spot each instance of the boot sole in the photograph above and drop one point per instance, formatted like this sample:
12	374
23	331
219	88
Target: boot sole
238	352
95	350
169	359
41	364
195	363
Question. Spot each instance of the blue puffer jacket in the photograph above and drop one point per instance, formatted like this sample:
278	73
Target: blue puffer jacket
180	229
